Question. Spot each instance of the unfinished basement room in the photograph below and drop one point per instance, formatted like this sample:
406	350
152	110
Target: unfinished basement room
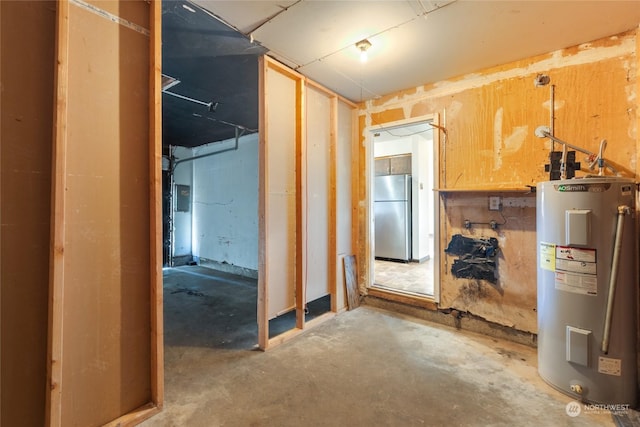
319	212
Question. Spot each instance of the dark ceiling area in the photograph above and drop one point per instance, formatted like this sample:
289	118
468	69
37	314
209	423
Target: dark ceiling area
217	70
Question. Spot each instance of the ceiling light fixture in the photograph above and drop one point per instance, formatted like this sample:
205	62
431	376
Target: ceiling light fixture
363	46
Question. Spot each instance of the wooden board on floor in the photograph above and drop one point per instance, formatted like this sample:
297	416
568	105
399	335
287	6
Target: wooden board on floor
350	279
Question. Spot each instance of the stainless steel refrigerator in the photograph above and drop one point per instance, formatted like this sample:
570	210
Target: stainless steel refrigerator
392	211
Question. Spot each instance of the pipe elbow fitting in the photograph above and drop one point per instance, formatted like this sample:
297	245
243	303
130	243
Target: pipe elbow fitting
624	210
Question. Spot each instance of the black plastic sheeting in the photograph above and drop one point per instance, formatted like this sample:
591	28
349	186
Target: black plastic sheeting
476	257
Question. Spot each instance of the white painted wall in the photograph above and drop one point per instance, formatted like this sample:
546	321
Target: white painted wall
420	146
182	221
344	177
225	203
423	209
280	193
317	168
393	147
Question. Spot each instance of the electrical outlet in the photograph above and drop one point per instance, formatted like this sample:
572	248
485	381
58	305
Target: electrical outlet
494	203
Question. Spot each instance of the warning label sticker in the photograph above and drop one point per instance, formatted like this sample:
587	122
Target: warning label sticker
610	366
575	254
582	267
548	256
576	270
585	284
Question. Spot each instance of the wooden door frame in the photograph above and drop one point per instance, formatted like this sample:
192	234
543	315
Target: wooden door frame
427	302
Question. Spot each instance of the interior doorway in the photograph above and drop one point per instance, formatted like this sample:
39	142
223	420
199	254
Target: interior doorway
403	209
210	145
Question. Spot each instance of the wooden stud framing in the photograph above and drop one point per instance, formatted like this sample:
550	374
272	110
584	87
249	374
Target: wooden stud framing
438	248
136	416
0	237
331	93
53	416
263	185
356	143
637	169
301	201
332	255
155	208
54	404
333	260
267	65
332	268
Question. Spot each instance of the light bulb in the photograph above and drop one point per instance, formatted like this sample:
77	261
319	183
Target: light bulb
363	45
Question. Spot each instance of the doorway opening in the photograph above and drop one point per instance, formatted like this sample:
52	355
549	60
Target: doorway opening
210	274
404	209
210	152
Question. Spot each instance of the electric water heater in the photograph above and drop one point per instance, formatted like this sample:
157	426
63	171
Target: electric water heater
587	288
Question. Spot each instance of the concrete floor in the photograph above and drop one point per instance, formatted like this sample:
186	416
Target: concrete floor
366	367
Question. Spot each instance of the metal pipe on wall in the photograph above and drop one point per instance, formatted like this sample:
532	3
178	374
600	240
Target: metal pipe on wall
613	277
552	118
543	132
171	207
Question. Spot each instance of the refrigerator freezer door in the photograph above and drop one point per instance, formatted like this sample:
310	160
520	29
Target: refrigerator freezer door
392	230
392	187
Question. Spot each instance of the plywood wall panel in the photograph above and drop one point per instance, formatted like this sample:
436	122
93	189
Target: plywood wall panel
511	300
598	102
102	276
127	10
361	202
490	135
26	100
387	116
490	118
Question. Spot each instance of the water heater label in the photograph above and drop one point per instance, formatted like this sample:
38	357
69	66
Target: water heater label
610	366
576	254
576	266
548	256
585	284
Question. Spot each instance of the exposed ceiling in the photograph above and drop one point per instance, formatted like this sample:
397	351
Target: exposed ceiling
217	70
413	42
